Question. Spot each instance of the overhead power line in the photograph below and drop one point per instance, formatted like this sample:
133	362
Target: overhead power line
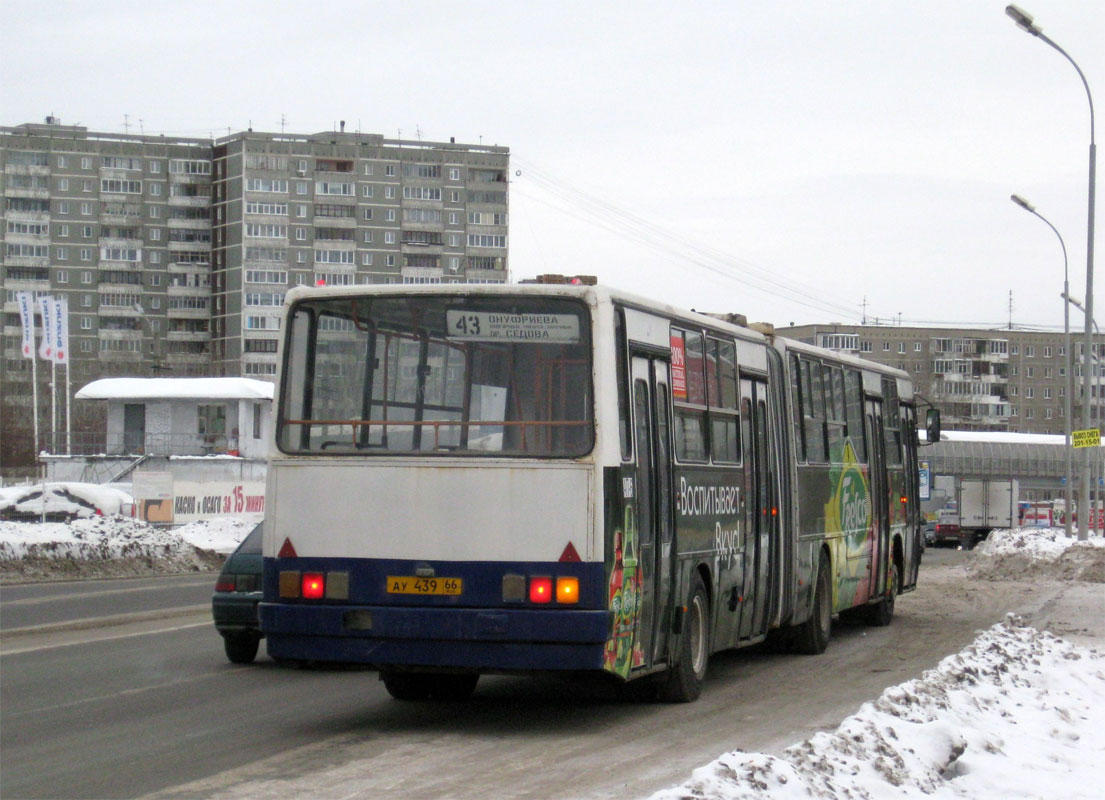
586	207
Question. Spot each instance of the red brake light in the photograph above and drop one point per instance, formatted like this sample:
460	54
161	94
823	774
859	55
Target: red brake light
313	587
540	590
225	584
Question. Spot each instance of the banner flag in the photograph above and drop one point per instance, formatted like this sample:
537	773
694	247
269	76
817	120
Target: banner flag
61	330
27	320
46	308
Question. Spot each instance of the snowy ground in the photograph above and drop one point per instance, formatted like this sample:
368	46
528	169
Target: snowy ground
115	546
1017	714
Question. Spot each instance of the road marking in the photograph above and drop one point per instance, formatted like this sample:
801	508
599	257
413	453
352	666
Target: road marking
59	638
57	598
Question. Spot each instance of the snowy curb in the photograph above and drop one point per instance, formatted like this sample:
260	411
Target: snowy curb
947	734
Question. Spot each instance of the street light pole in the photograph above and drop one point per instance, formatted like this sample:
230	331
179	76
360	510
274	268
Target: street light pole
1024	21
1068	509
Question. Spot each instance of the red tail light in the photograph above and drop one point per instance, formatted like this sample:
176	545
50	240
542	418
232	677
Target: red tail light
540	590
313	586
225	584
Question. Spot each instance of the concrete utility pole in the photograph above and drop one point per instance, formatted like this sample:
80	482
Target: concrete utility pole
1068	489
1024	21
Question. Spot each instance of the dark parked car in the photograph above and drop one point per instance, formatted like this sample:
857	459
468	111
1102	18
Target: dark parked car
234	604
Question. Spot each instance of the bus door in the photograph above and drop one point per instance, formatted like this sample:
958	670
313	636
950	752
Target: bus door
880	510
653	499
761	508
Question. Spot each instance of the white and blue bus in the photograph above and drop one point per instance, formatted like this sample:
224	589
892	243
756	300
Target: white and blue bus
525	478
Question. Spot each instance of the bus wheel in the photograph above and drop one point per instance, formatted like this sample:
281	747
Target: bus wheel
882	612
684	679
453	687
408	685
812	636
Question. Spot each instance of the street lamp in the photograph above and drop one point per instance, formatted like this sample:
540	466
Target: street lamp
1025	23
1074	301
1067	489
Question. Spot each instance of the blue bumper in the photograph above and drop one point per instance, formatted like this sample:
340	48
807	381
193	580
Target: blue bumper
473	638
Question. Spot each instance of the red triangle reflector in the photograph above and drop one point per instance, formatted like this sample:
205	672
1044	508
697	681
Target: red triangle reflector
569	553
287	551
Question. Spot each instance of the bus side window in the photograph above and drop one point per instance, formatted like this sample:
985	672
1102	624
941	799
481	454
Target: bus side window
622	368
690	404
892	424
813	409
796	411
833	379
853	397
721	385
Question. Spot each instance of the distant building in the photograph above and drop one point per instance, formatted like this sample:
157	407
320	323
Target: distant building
173	425
175	253
985	380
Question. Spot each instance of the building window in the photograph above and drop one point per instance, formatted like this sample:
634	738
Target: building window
86	323
211	420
1029	351
366	259
389	192
366	190
390	170
63	276
390	261
86	209
63	253
391	215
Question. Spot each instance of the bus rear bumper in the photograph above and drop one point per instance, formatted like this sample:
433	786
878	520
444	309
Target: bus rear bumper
470	638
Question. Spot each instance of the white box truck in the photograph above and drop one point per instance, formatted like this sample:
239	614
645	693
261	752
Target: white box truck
984	505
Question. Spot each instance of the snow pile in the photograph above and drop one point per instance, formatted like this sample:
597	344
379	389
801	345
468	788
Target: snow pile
1016	714
1038	553
115	546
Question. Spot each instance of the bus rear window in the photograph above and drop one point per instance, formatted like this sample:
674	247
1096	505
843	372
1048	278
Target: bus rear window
437	374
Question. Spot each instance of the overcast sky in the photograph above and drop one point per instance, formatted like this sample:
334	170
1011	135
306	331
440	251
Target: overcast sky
786	160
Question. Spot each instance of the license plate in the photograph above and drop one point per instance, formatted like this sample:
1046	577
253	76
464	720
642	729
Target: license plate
409	585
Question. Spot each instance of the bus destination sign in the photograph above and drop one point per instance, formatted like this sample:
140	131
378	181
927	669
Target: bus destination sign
493	326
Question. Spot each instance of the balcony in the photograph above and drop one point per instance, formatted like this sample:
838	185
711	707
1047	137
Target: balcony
188	336
189	291
21	169
27	216
37	194
192	201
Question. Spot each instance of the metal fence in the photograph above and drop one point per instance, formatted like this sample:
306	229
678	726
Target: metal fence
101	443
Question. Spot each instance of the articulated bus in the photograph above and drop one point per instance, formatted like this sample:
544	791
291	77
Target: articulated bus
528	478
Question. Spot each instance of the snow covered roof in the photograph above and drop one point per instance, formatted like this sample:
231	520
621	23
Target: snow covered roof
1000	437
176	389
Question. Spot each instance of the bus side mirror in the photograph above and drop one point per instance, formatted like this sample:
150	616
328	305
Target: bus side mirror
932	425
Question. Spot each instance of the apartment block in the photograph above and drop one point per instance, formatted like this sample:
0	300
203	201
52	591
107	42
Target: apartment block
175	253
986	380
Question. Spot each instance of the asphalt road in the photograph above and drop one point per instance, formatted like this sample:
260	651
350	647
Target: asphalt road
154	708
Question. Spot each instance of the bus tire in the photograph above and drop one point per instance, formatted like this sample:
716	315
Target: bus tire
812	636
882	612
241	648
407	685
683	682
